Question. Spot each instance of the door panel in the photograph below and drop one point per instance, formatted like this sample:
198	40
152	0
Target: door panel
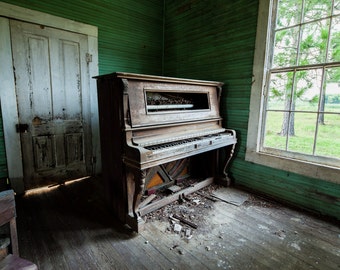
43	152
50	68
74	148
68	97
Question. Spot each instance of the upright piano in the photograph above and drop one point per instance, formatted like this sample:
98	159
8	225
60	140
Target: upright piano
149	121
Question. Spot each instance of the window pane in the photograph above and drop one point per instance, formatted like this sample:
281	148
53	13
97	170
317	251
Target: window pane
280	88
314	42
316	9
334	46
285	47
328	140
336	7
307	90
272	137
289	13
303	139
332	90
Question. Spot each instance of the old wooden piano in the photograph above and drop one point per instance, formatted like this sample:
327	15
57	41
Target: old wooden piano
147	122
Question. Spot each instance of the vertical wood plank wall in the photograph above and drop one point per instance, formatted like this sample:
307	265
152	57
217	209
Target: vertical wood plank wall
203	39
214	40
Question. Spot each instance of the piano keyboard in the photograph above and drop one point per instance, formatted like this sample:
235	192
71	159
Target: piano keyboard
163	140
191	143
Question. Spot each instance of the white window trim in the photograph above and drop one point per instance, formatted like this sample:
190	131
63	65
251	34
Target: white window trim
253	153
7	83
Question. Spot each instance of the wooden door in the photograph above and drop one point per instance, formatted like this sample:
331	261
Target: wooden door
51	78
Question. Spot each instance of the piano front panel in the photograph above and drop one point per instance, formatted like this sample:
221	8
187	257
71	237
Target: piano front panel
154	103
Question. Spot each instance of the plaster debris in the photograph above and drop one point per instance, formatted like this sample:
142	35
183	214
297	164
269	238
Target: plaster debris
196	201
295	245
181	251
177	228
281	234
173	247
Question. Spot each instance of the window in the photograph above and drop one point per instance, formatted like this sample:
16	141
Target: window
296	90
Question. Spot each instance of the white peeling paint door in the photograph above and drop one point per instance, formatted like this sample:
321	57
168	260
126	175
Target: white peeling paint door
51	80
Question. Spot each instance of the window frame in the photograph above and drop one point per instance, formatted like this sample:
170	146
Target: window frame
294	163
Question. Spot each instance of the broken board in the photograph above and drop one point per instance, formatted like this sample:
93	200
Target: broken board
231	195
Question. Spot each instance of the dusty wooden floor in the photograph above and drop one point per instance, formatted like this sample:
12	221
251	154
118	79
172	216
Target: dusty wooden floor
66	227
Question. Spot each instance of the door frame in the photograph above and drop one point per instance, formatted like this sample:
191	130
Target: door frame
8	92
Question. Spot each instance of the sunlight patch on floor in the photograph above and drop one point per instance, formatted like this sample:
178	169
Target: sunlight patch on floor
40	190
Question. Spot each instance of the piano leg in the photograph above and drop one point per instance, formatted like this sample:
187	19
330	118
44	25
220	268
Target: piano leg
225	180
135	188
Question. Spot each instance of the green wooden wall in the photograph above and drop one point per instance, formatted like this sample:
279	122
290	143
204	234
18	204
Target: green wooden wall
215	40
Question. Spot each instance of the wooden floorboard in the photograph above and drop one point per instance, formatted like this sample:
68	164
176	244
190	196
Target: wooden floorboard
264	245
241	238
69	227
171	247
302	233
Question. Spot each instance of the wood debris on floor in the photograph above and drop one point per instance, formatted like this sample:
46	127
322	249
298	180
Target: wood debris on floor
187	213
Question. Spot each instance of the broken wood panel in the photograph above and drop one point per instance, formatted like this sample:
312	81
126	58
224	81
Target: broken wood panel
230	195
191	224
146	201
173	197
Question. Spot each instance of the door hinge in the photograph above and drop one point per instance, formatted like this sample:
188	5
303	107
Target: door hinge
88	58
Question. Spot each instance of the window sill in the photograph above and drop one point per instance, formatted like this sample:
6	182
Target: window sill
309	169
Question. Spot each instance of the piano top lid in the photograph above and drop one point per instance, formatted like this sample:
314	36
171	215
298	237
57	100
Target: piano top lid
135	76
